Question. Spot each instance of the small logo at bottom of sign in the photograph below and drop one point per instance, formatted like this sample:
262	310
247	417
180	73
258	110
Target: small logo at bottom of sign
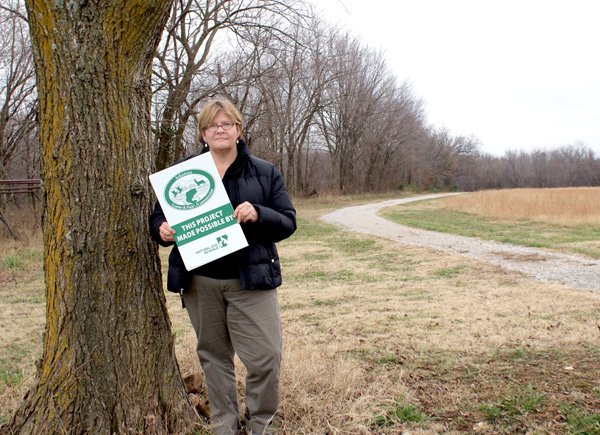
222	240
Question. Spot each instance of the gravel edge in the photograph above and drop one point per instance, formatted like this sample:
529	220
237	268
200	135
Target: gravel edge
569	269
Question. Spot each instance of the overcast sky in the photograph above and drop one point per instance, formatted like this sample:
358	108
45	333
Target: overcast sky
516	74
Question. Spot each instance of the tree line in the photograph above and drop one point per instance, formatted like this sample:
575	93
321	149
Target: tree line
317	101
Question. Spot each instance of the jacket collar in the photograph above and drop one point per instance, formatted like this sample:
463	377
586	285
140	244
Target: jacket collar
243	154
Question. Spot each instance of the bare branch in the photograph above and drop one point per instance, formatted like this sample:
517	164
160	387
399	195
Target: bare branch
14	11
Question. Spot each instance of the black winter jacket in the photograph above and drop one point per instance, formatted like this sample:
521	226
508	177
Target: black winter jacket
260	183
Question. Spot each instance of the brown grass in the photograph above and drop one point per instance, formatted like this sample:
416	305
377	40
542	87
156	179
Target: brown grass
24	222
369	324
562	206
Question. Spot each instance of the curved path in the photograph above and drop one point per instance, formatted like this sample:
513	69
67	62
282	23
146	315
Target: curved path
573	270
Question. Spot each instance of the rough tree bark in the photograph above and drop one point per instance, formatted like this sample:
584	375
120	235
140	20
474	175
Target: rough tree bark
108	363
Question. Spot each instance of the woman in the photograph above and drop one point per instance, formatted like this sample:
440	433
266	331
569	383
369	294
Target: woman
232	301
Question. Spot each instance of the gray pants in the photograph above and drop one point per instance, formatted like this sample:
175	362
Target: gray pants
230	320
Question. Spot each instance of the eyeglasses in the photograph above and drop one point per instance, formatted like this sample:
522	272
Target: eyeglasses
213	128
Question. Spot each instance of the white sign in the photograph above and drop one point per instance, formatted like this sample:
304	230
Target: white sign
197	207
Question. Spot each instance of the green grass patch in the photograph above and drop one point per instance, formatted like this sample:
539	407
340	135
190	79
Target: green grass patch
10	375
288	306
520	353
37	298
13	262
321	256
373	357
430	216
449	272
580	421
311	229
401	412
388	360
521	403
325	302
22	259
353	246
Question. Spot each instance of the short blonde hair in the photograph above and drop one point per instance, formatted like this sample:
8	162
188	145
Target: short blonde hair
210	110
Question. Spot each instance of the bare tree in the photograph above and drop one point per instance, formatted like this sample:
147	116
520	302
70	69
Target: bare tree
445	161
572	160
396	136
540	162
191	36
17	84
292	91
108	363
490	174
357	99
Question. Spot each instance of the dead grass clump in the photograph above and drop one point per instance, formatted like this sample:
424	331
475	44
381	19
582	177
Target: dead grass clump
22	302
24	222
323	391
561	206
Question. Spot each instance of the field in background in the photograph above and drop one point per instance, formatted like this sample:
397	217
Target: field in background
382	338
566	219
572	206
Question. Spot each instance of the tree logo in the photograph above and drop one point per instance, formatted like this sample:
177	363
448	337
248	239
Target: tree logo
189	189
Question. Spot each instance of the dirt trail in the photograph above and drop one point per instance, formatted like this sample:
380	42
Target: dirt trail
573	270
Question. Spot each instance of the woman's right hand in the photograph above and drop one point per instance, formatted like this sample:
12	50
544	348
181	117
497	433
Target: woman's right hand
166	232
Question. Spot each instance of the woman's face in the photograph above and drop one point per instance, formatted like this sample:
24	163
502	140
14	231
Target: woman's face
225	134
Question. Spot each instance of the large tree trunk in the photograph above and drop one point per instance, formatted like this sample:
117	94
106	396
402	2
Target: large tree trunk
108	363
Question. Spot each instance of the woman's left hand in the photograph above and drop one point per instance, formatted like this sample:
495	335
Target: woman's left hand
245	212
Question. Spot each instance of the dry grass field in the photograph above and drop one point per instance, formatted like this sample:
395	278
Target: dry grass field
566	219
382	338
562	206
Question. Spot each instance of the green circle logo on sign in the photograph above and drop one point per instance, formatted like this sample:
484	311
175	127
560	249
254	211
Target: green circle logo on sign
189	189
